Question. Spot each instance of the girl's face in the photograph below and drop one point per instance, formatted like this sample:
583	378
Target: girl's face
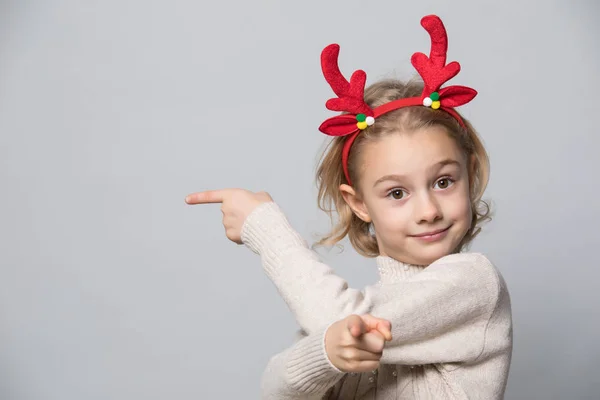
415	191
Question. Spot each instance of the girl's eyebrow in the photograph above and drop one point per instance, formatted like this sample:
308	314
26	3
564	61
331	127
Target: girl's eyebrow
391	177
398	177
443	163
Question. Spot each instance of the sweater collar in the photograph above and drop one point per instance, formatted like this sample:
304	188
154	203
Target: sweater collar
392	270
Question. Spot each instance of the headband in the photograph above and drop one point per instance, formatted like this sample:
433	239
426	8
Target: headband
358	115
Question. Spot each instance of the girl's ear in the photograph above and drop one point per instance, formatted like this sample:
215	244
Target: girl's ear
355	203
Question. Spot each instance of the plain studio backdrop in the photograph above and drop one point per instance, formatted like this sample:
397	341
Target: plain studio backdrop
111	112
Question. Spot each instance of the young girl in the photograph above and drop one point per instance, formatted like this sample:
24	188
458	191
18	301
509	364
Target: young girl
405	175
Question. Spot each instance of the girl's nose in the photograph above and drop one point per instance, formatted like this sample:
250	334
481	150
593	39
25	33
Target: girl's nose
428	209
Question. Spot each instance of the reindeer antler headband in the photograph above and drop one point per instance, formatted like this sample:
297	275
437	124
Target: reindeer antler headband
433	70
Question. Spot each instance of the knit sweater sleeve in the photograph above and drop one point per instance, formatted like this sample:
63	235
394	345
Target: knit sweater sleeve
439	315
301	372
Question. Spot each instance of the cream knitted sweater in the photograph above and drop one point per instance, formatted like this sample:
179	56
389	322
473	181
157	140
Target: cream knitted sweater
451	322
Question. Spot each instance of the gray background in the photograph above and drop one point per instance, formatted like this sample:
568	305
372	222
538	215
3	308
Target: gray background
112	111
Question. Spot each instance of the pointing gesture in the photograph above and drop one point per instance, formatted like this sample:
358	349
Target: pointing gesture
236	205
355	343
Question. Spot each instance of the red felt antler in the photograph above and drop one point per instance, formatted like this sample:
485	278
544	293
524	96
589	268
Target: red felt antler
350	94
433	69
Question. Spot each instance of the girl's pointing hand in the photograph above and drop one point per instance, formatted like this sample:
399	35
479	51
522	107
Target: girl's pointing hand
236	205
355	343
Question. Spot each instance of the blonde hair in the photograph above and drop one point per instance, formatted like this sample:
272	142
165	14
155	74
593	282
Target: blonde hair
330	174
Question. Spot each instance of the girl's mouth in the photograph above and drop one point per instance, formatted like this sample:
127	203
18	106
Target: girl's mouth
433	236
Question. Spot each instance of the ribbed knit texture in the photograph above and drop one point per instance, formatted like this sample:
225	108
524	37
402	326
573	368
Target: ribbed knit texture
451	322
303	371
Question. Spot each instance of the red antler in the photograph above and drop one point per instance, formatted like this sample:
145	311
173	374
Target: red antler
350	94
433	69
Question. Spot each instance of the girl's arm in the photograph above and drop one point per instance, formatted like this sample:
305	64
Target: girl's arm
439	315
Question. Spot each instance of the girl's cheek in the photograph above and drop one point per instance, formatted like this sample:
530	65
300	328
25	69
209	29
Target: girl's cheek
467	210
398	216
459	205
464	197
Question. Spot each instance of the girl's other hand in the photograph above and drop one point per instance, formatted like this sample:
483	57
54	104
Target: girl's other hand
236	205
355	343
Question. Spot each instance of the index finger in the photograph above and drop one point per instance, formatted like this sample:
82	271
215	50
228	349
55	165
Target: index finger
209	196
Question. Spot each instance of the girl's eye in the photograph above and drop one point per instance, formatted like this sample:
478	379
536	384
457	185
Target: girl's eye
397	194
444	183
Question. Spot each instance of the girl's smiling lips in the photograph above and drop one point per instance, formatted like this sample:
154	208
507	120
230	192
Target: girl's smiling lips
433	235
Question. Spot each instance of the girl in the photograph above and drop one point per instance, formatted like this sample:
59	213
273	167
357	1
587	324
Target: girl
405	175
